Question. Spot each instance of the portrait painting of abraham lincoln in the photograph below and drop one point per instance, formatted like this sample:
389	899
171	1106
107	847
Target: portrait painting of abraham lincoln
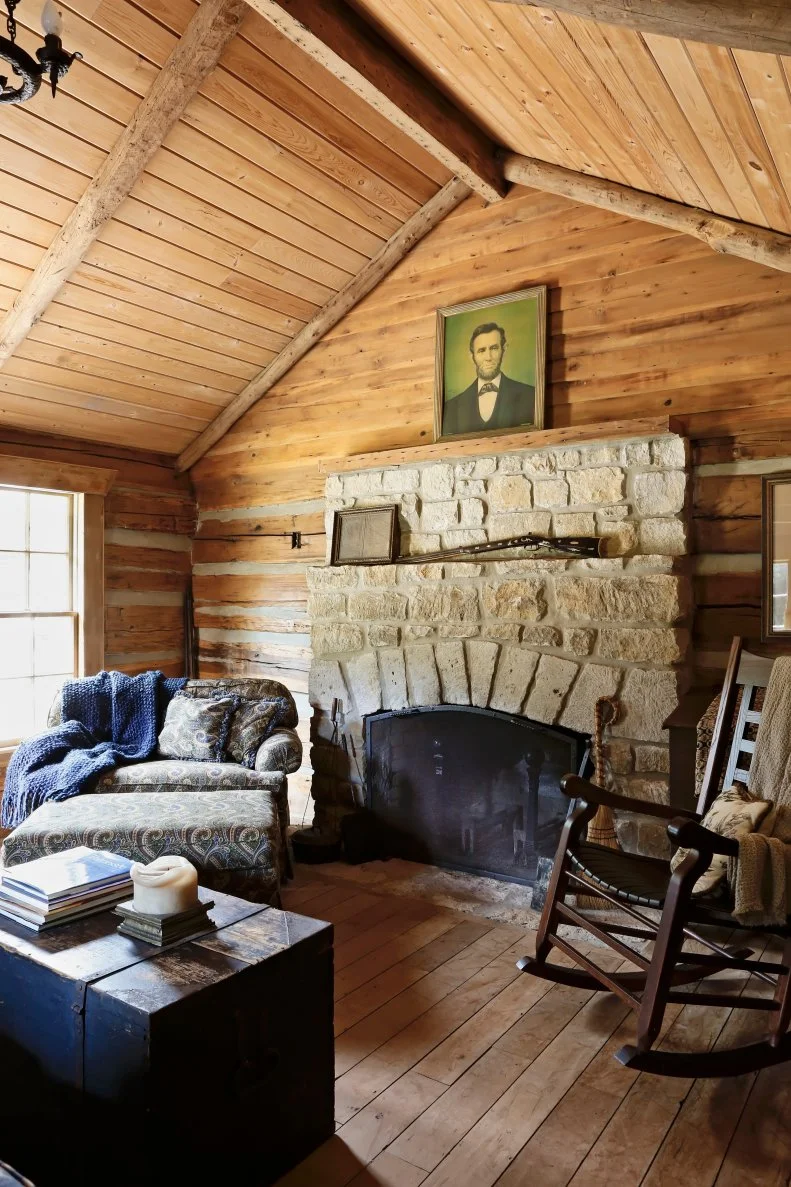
490	365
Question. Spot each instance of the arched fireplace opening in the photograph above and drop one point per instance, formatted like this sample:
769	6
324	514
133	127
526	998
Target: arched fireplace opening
469	788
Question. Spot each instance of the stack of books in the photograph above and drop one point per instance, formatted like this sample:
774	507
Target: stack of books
63	886
164	929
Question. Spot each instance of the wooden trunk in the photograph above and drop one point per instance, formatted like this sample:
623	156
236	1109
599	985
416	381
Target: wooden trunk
199	1062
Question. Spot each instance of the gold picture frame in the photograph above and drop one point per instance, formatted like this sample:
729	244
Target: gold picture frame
471	355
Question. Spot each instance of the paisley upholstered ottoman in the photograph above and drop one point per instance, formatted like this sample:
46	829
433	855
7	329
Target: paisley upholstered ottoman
233	836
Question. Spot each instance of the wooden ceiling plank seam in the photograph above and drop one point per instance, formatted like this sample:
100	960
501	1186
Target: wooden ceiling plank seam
581	111
196	54
762	246
341	41
449	197
760	25
693	98
97	425
52	144
764	81
719	73
626	98
45	174
288	58
430	46
54	394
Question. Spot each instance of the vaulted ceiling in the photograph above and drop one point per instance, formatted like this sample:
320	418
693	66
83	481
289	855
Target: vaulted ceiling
279	184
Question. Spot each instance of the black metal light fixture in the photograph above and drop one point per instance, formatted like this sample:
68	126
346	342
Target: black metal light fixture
53	61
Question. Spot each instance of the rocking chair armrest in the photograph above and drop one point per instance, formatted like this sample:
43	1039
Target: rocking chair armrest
690	834
576	788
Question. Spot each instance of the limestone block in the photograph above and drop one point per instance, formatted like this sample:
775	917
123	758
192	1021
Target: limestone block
581	523
660	493
621	537
437	482
652	758
325	683
523	600
554	492
666	537
437	517
452	668
462	537
400	480
332	577
334	638
647	698
553	679
377	576
409	511
425	604
367	483
393	676
462	570
539	463
458	630
653	597
519	524
651	563
464	469
670	452
579	640
619	756
541	636
642	645
369	605
509	493
326	605
566	459
530	565
481	660
417	543
652	838
602	455
604	484
636	787
362	677
605	513
484	467
502	632
471	513
512	678
637	454
382	635
422	676
333	487
594	681
603	566
416	630
459	603
415	574
470	488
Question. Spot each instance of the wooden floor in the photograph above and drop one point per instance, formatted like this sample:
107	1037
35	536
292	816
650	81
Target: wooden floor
455	1070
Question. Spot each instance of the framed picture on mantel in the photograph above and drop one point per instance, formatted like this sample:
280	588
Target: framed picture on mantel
490	364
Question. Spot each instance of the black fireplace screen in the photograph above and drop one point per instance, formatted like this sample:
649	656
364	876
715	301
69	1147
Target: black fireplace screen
471	789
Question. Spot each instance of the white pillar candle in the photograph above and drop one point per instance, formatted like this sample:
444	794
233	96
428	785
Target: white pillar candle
165	886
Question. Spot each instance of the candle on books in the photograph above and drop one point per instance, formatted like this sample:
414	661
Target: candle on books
165	886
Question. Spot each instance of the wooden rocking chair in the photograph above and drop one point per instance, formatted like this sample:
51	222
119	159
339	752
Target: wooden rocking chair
627	881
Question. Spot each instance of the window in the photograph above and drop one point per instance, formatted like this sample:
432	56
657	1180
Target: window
39	622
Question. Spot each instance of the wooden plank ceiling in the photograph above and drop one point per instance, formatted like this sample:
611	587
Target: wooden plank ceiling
267	197
279	184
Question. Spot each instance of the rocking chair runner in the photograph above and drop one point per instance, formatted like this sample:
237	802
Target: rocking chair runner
627	881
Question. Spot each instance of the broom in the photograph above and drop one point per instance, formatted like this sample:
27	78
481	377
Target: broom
601	830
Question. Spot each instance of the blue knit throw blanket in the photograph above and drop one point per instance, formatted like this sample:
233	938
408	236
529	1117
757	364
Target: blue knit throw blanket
107	721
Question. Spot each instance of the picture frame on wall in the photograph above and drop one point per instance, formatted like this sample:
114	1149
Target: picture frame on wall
366	536
490	365
776	557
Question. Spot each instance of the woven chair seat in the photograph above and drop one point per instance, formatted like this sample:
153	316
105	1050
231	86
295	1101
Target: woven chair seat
634	879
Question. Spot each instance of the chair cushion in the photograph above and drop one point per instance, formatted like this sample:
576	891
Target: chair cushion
734	813
232	837
174	775
197	729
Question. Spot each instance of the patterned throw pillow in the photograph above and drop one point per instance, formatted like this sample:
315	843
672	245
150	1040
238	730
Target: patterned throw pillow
196	730
734	813
250	726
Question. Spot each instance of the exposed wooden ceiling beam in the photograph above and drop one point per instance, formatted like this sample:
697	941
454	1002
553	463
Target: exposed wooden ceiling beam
193	58
764	26
726	235
397	246
336	37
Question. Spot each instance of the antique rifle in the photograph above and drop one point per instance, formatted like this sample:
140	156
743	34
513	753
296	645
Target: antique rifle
581	546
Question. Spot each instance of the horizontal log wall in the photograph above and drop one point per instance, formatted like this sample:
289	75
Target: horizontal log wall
642	322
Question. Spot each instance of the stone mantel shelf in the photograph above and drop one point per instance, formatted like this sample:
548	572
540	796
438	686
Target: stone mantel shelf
611	430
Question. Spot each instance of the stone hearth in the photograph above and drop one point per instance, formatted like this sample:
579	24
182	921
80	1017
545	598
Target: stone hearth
541	638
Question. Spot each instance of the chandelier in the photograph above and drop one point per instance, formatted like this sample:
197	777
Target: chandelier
53	61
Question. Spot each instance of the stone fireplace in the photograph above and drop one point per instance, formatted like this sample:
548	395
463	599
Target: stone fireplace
536	638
